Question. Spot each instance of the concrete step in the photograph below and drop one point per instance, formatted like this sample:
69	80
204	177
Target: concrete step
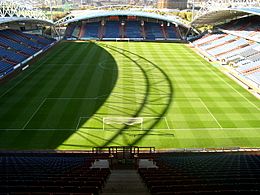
126	182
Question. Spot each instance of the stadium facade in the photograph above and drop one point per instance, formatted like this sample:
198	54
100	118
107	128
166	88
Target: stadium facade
128	25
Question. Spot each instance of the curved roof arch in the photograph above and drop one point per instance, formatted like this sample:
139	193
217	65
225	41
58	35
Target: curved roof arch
12	11
97	14
6	20
218	16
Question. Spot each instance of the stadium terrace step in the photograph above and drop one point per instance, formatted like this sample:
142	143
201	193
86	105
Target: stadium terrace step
125	182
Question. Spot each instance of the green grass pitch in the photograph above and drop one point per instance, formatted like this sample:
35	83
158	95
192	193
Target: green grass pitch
185	102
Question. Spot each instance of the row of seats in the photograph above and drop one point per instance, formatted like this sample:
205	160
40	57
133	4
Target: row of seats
153	31
116	29
246	27
133	30
175	173
15	47
90	30
203	173
218	42
242	53
111	30
54	174
207	38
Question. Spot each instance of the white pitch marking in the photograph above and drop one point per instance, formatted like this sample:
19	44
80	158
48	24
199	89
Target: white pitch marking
82	98
234	89
34	113
11	88
40	65
78	123
166	121
210	113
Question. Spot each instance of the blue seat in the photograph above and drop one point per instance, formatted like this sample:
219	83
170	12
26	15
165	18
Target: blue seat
16	47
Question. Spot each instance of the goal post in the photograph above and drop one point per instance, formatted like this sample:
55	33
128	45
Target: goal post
123	39
122	121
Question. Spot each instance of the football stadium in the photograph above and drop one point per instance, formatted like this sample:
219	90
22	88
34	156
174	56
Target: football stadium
120	99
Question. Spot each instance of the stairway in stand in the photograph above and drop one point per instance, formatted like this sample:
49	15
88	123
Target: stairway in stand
125	182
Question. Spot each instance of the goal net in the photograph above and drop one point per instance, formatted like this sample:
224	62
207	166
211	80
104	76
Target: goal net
120	122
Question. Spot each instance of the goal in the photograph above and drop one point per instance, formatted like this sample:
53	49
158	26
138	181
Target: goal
120	122
123	39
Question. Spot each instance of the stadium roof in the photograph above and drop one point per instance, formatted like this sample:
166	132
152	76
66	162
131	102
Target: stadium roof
23	19
218	16
15	11
102	13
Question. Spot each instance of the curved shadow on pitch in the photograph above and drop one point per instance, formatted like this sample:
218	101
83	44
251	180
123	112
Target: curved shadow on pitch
56	95
145	102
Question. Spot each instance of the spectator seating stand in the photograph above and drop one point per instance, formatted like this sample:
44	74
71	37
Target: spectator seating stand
17	47
81	173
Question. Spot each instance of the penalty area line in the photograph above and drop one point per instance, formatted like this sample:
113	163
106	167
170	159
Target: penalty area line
82	117
210	113
206	107
34	113
167	124
245	98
